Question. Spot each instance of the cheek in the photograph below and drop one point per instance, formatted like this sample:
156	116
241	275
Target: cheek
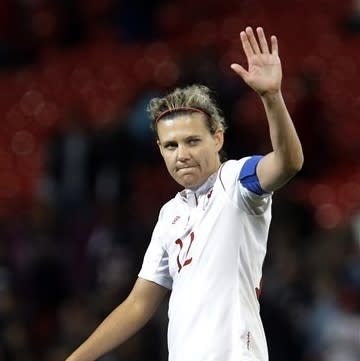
206	155
208	159
169	162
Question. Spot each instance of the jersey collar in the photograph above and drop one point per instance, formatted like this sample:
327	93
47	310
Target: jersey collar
191	196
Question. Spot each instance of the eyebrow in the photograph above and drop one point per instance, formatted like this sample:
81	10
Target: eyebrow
189	137
169	142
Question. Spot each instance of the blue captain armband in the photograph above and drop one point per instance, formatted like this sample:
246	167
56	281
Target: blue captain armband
248	177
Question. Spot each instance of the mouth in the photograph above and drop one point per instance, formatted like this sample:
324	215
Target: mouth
184	168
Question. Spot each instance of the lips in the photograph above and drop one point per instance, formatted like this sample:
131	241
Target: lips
184	168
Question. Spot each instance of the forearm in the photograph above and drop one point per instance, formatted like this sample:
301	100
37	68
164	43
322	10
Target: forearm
287	150
120	325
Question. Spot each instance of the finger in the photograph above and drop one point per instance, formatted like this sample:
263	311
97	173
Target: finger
262	40
238	69
246	45
274	45
252	39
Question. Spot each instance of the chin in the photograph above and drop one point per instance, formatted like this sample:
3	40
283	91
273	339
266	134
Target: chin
192	185
186	184
189	181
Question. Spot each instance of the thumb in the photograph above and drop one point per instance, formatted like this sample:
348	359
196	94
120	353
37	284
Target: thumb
238	69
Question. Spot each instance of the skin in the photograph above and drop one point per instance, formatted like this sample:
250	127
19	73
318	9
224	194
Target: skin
264	76
189	150
190	153
123	322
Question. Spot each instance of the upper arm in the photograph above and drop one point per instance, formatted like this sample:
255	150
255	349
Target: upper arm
272	174
146	296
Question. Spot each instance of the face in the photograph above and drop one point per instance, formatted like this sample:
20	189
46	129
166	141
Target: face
190	151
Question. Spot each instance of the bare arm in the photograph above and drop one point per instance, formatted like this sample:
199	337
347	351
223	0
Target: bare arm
264	76
286	159
123	322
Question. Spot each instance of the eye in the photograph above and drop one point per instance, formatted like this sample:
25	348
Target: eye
194	141
170	146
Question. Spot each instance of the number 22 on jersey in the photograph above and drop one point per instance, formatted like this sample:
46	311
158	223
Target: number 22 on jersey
187	260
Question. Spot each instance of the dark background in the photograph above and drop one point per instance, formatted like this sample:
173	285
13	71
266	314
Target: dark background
81	181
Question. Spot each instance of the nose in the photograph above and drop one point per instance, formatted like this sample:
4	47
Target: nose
182	153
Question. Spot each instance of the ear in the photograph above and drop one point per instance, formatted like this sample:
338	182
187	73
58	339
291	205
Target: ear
219	139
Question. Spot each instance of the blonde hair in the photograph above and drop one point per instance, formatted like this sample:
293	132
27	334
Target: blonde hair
187	100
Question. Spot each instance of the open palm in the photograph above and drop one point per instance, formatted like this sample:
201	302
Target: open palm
264	72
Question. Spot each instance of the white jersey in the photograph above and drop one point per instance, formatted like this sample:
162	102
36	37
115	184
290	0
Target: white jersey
208	247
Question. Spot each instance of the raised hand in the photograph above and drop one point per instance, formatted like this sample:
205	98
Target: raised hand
264	72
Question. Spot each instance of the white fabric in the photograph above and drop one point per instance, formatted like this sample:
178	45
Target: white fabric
213	307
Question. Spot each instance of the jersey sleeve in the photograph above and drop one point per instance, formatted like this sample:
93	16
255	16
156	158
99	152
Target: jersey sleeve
155	265
240	182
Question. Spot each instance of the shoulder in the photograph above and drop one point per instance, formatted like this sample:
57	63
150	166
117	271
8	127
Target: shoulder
229	171
169	209
239	181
